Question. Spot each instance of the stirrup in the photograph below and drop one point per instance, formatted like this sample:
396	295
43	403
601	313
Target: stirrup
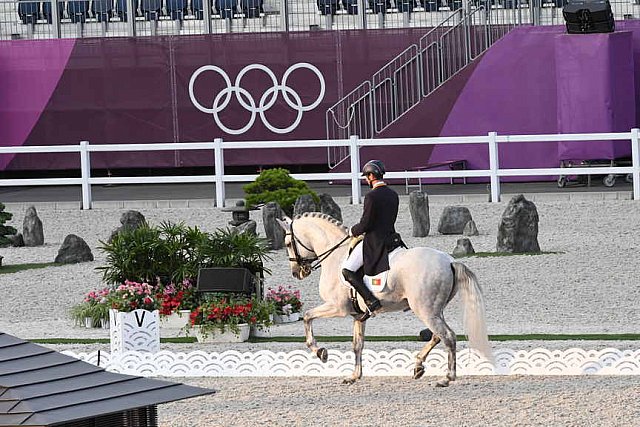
369	312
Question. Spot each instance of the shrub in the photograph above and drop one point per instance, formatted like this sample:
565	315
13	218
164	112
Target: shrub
276	185
174	253
5	229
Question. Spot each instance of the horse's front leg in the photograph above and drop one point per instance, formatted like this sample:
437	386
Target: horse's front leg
358	345
325	310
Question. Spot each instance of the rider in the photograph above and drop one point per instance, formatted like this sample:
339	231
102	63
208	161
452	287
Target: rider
377	224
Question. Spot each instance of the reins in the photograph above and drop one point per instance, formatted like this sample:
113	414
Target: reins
310	263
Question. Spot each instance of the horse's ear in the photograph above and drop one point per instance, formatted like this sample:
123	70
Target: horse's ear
285	223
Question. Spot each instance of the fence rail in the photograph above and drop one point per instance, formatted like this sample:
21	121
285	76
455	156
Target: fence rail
353	144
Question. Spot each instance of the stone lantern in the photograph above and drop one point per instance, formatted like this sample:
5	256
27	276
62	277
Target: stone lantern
239	213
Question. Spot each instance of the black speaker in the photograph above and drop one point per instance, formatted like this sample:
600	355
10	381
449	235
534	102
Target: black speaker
218	279
588	16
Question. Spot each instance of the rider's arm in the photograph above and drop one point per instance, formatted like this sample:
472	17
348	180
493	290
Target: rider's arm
366	222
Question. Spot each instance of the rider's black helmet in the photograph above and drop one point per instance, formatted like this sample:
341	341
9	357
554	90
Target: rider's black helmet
376	167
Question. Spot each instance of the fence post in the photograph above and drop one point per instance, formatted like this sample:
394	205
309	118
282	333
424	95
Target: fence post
85	174
635	162
494	165
355	170
219	169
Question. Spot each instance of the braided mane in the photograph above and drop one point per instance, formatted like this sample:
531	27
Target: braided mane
325	217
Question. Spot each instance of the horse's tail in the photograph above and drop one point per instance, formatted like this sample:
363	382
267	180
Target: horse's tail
474	314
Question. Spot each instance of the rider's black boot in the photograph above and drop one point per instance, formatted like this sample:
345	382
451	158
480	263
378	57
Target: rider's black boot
370	300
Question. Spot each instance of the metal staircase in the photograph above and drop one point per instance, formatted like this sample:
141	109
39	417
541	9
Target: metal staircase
413	75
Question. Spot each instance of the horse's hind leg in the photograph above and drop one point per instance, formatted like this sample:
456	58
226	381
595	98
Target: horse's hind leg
418	371
322	311
358	345
441	331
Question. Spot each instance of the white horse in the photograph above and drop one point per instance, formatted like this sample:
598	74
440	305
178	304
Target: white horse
421	279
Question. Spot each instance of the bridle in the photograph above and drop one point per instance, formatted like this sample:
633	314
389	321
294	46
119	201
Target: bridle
308	264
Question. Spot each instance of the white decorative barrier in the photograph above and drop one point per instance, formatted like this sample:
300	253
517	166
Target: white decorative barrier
266	363
138	330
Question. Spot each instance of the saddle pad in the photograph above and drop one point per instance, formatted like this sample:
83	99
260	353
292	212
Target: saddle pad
378	282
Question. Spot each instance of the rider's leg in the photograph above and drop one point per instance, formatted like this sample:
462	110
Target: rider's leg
349	267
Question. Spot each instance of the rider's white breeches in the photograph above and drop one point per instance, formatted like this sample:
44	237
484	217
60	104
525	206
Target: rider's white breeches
355	260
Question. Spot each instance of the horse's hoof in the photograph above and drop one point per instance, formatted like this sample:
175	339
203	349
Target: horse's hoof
443	383
323	354
418	372
349	381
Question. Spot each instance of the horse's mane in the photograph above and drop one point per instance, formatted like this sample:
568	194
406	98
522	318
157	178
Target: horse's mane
325	217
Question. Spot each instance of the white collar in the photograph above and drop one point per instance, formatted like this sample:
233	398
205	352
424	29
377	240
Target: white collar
379	184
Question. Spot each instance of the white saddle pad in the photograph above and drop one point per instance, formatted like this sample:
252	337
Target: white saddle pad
377	283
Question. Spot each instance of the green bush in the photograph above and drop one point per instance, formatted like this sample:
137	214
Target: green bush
276	185
174	252
5	229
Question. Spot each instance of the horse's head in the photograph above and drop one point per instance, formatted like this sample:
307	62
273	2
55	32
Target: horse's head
300	255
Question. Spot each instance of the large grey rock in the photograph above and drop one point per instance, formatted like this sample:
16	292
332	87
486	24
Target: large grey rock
248	227
32	232
272	230
330	207
73	250
130	220
304	203
470	229
453	220
419	209
463	248
518	229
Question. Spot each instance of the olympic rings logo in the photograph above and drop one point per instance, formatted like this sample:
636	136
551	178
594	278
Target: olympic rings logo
267	100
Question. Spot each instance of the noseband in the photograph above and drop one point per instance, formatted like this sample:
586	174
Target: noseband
308	264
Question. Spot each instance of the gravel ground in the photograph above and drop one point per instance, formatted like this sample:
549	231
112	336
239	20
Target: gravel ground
587	282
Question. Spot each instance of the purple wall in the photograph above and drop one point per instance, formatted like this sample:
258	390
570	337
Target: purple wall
137	90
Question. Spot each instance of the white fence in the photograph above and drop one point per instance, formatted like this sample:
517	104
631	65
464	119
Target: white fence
492	140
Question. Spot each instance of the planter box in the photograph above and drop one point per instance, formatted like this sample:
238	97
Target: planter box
138	330
215	336
286	318
176	320
263	332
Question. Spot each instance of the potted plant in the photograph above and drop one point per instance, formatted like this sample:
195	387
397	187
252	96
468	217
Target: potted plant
263	311
223	318
134	321
93	311
175	303
287	302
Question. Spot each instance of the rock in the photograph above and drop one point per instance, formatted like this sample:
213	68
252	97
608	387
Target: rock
304	203
73	250
272	230
470	229
16	240
419	209
453	220
426	335
330	207
32	232
463	247
130	220
248	227
518	229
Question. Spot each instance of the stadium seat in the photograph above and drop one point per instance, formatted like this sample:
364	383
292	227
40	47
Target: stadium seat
151	9
121	9
102	10
177	9
252	8
78	10
227	8
29	11
430	5
351	6
379	6
46	11
405	5
327	7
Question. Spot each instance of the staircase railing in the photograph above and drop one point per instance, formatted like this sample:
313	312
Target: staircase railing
413	75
